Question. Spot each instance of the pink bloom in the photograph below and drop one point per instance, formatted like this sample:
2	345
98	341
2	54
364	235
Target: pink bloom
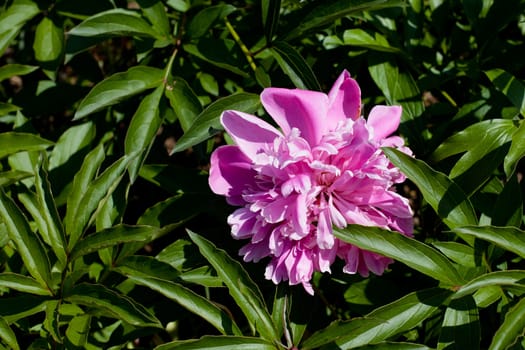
323	168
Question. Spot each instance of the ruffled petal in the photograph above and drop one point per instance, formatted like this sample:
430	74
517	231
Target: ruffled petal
384	120
302	109
345	100
230	172
250	133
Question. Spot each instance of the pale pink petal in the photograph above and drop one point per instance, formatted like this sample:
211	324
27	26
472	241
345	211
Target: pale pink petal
302	109
250	133
345	100
325	238
230	172
384	120
242	222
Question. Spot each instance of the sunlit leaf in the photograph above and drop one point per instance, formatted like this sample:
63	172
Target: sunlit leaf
77	331
397	246
7	335
112	304
443	195
192	302
49	43
512	278
509	238
241	287
119	22
516	151
51	322
184	102
71	141
359	37
513	88
208	124
119	87
22	283
12	176
27	243
10	70
459	253
13	19
155	12
461	327
14	142
294	65
219	343
511	329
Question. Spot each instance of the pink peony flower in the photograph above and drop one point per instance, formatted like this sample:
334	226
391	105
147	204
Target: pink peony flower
323	168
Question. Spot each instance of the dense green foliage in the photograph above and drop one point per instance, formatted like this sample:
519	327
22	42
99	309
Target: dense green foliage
110	237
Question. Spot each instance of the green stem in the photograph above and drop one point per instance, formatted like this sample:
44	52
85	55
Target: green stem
239	42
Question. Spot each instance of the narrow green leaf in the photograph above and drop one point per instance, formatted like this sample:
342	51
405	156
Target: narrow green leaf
397	246
204	276
52	320
113	236
116	22
318	15
223	53
27	243
11	70
511	329
359	37
118	87
22	283
81	183
461	327
48	210
394	346
12	176
6	108
49	43
513	88
270	17
509	238
508	209
184	102
206	18
7	335
16	308
95	195
208	124
443	195
146	266
142	130
112	304
13	19
192	302
77	331
516	151
219	343
155	12
382	323
459	253
14	142
295	66
241	287
70	142
511	278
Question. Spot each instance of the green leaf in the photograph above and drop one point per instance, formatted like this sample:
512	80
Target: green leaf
270	17
27	243
7	335
13	19
184	102
146	266
359	37
155	12
208	124
397	246
14	142
459	253
461	327
513	88
77	331
393	346
49	43
511	329
12	176
52	320
295	66
241	287
509	238
382	323
516	151
142	130
327	12
112	304
48	211
119	87
219	343
511	278
508	209
94	196
206	18
70	142
115	22
174	210
192	302
443	195
22	283
11	70
113	236
223	53
16	308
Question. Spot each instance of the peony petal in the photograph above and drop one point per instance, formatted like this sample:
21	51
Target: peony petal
302	109
384	120
345	100
250	133
230	172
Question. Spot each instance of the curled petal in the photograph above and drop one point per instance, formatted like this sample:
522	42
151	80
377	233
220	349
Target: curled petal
384	120
302	109
345	100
